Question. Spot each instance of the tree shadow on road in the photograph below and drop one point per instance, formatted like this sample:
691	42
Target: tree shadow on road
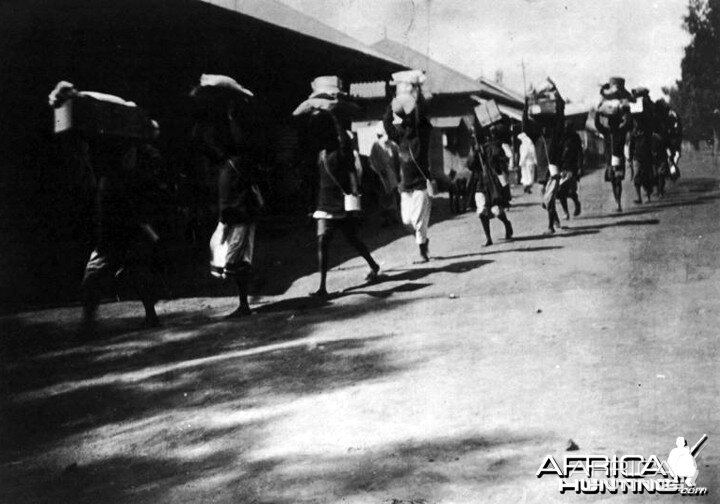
405	471
51	397
409	470
164	415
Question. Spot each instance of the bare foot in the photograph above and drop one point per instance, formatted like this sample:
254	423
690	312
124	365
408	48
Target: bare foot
239	312
320	293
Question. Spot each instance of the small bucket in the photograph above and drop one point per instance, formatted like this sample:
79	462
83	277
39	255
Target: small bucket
352	203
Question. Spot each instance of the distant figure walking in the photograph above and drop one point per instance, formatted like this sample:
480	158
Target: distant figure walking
491	197
527	161
643	173
571	165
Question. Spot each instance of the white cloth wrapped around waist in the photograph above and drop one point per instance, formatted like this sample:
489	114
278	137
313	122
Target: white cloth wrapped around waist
231	247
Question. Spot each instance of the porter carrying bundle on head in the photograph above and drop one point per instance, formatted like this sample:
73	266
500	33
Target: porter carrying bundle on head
546	101
616	99
641	102
97	114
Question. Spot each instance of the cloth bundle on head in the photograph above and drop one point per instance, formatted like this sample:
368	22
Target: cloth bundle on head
414	77
615	98
614	89
327	94
409	83
62	92
546	101
326	85
640	92
214	86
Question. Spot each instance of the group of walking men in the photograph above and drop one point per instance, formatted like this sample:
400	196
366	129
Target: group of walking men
647	142
549	151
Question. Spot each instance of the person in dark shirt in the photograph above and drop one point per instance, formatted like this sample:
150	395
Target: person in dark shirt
220	138
489	162
549	130
570	170
614	131
125	241
640	143
330	150
407	125
661	166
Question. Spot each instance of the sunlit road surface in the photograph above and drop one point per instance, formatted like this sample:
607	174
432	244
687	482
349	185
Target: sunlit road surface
446	383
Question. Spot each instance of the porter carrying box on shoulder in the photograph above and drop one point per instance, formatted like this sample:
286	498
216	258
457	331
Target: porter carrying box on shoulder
488	113
94	114
544	107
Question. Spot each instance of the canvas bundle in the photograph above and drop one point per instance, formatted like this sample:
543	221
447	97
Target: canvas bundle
544	102
488	113
616	99
97	116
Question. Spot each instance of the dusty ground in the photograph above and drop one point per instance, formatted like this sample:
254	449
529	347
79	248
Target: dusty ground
447	383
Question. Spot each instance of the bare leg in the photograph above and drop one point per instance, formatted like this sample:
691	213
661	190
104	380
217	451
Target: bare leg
140	278
576	201
351	234
564	205
485	221
322	252
96	270
502	216
639	196
617	193
553	218
242	279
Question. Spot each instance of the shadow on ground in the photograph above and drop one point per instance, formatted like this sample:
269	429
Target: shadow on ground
620	223
52	394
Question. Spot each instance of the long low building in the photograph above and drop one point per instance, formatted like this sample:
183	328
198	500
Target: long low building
151	52
452	97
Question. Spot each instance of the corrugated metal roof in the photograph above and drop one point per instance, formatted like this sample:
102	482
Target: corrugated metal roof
511	112
282	15
502	90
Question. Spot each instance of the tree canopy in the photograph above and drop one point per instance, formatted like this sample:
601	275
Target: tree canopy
697	94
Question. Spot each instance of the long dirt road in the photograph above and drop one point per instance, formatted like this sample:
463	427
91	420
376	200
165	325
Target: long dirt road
449	382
